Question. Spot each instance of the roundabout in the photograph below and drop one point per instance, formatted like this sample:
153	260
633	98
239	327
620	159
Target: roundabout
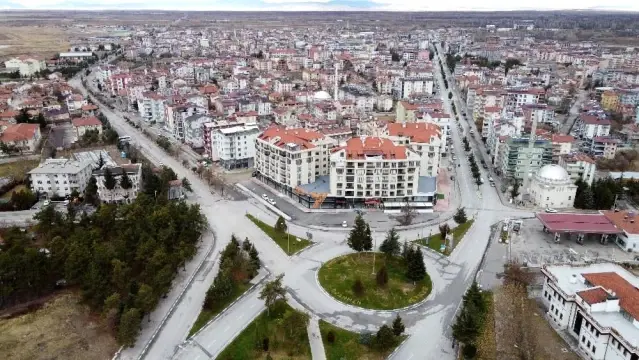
338	277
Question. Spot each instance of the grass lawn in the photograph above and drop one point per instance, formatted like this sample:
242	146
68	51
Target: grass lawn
347	346
7	195
283	344
208	314
338	275
435	241
486	342
281	239
17	169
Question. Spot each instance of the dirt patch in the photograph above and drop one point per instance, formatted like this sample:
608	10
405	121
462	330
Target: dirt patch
62	329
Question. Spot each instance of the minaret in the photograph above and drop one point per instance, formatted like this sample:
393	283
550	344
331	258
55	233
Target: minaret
336	82
531	146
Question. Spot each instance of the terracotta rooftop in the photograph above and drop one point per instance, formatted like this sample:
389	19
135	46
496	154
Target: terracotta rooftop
593	296
628	294
86	121
626	220
557	138
19	132
358	148
417	132
280	137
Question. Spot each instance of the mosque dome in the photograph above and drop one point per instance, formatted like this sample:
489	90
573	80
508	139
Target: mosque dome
553	174
321	96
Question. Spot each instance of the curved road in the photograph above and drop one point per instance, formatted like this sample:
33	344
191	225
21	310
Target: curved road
428	324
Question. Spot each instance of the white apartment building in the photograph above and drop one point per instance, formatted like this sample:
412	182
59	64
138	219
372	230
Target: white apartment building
591	126
407	86
59	177
424	139
579	166
516	99
597	304
374	168
234	147
151	107
292	157
194	130
118	194
440	119
25	65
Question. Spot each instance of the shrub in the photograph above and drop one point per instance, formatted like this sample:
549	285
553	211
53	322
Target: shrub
358	287
366	338
382	277
330	337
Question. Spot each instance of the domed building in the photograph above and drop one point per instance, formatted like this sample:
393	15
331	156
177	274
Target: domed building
552	187
321	96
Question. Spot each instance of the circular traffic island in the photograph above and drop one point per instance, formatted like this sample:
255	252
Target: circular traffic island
351	280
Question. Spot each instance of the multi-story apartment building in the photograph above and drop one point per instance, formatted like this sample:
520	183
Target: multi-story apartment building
175	116
60	177
591	126
413	86
579	166
542	113
487	98
516	157
151	107
235	146
424	139
374	167
603	146
288	158
119	194
25	65
516	99
561	145
597	305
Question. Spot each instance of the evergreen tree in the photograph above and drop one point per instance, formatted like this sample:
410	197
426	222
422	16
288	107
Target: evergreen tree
125	181
367	245
398	326
109	179
385	339
466	327
186	184
586	199
416	270
357	235
280	225
405	251
390	246
474	298
358	287
254	259
382	277
100	162
246	245
91	191
514	192
129	327
460	216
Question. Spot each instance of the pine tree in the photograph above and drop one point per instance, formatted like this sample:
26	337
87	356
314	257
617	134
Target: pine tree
109	179
466	326
129	327
100	162
385	339
358	233
367	244
246	245
416	270
460	216
280	225
254	258
474	298
91	191
398	326
125	181
390	246
358	287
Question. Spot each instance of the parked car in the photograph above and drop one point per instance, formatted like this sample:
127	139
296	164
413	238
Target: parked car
551	210
344	223
272	202
264	196
46	202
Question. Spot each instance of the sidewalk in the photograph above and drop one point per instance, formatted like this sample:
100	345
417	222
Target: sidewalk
315	339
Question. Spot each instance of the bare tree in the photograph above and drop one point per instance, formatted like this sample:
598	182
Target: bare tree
514	323
408	214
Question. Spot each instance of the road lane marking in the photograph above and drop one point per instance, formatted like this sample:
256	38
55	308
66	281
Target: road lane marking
410	357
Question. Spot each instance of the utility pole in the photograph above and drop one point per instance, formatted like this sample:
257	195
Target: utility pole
374	250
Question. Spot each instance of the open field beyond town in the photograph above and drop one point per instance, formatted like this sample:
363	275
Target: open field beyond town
62	329
41	41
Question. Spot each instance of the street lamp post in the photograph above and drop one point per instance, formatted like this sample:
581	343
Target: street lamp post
288	240
374	250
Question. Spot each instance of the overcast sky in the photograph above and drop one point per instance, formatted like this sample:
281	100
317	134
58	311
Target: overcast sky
295	5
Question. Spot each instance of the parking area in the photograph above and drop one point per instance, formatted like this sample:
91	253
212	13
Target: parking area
534	247
327	218
61	135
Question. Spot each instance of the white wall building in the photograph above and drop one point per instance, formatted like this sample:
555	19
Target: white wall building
25	65
552	187
579	166
118	194
413	85
235	146
424	139
597	305
59	177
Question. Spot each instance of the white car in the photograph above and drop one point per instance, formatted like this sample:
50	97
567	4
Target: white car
265	197
344	224
66	202
550	210
46	203
272	202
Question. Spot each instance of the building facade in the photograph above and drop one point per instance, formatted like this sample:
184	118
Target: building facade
119	194
60	177
235	146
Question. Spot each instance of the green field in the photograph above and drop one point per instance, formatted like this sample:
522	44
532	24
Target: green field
347	345
338	275
18	188
435	241
290	245
284	342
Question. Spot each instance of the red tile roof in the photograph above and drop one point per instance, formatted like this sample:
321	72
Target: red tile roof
359	148
86	121
626	292
585	223
417	132
299	136
19	132
557	138
593	296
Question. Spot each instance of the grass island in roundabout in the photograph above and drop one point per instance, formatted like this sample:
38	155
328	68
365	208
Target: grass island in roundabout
339	277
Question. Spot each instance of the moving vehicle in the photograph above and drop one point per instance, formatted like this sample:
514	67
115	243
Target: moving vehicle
550	210
344	223
264	196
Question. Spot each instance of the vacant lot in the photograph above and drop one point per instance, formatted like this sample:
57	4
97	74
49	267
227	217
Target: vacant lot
18	169
42	41
61	329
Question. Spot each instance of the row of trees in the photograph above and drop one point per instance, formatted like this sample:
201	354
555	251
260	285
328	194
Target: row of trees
411	255
599	196
474	169
469	322
122	257
238	265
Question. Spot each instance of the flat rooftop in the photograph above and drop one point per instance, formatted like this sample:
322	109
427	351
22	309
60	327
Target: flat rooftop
321	185
578	223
